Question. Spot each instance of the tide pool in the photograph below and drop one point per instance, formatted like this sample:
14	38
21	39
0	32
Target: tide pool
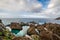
15	31
22	32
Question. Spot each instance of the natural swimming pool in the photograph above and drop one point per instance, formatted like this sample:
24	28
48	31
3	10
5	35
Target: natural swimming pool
15	31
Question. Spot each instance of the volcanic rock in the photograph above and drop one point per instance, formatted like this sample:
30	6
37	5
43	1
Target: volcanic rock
21	38
15	25
35	37
31	31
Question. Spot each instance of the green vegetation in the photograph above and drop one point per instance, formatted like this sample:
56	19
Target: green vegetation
0	33
7	35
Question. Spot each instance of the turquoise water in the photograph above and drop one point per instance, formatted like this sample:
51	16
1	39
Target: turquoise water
23	32
15	31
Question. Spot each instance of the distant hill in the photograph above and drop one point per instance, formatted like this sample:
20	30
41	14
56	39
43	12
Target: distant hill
58	18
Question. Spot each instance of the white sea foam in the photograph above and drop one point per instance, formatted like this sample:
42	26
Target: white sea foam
8	28
23	32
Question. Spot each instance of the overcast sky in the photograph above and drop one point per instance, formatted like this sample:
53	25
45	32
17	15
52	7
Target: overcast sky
29	8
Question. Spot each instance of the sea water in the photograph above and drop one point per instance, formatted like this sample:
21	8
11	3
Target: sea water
25	20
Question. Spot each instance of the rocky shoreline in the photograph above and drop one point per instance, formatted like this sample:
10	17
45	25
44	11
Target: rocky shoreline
46	31
57	18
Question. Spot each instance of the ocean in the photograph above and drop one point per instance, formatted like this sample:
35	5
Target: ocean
25	20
